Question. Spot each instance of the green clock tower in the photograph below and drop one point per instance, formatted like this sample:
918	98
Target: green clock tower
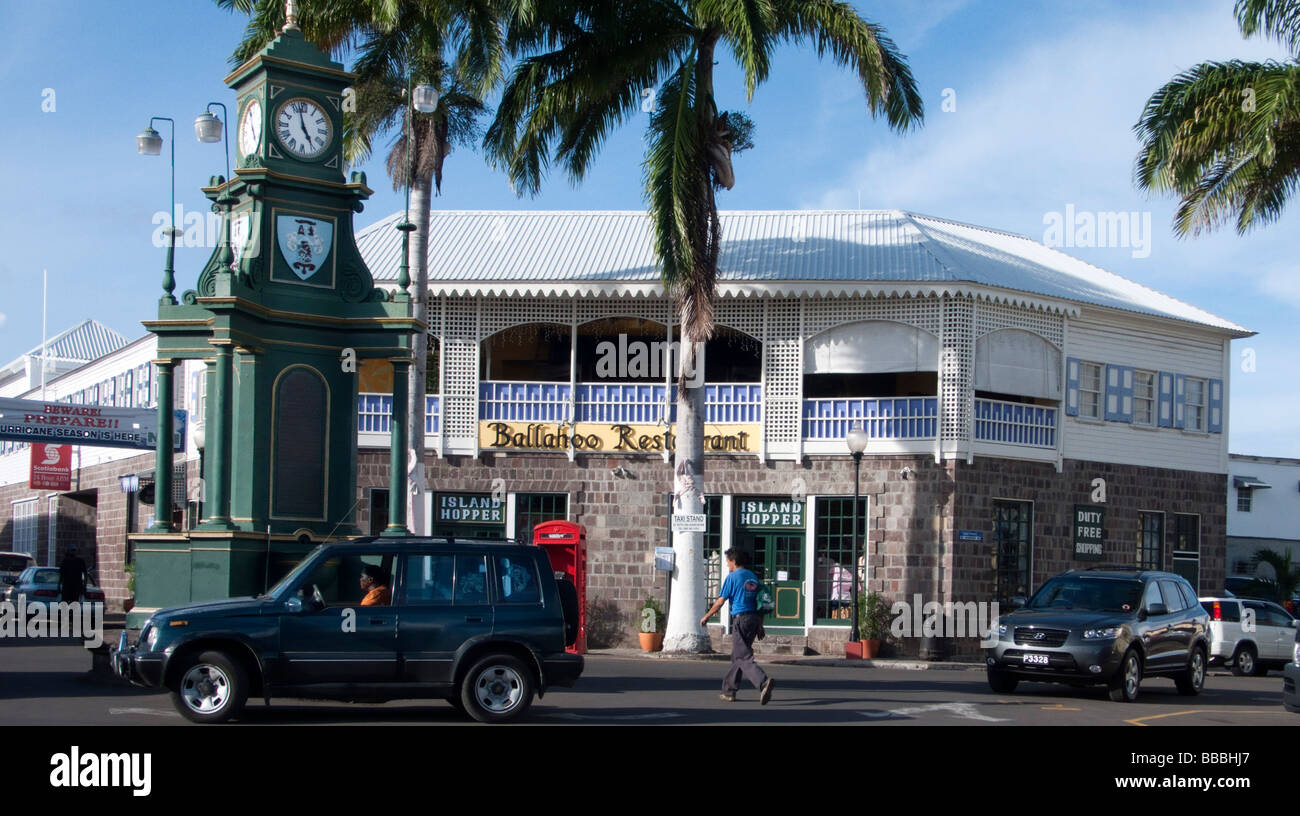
283	313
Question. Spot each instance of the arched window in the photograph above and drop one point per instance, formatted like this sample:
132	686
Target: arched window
1012	363
301	421
871	358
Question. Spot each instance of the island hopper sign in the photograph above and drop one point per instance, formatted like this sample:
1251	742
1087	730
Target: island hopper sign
65	423
610	438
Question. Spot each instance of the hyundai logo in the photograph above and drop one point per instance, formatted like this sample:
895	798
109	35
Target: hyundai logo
1040	635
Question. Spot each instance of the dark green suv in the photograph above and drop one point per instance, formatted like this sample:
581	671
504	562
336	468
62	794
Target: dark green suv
482	624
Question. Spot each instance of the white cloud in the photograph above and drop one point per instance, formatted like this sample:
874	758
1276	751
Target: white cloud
1282	284
3	319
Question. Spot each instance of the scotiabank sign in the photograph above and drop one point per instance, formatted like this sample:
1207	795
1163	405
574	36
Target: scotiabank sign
58	422
51	468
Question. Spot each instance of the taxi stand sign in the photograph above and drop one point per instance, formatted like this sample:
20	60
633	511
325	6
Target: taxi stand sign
689	523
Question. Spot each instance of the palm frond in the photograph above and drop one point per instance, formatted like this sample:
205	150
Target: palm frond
747	26
1278	19
836	28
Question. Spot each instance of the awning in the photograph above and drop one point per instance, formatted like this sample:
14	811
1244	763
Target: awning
1248	483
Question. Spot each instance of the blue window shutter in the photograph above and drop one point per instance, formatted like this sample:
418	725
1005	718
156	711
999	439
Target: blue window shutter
1072	386
1180	401
1165	400
1216	406
1126	393
1111	393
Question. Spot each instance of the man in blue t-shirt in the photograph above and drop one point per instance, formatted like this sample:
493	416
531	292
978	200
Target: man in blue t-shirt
740	589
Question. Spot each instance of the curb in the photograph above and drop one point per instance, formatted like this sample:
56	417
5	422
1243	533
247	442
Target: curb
794	660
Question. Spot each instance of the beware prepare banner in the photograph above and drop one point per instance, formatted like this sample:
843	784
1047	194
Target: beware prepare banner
63	423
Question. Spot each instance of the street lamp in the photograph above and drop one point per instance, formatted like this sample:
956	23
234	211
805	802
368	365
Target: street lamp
857	442
149	143
210	129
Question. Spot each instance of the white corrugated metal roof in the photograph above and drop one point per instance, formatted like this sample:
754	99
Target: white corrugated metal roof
539	251
86	341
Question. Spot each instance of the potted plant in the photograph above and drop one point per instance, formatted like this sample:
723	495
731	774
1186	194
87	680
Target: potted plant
873	624
651	626
128	603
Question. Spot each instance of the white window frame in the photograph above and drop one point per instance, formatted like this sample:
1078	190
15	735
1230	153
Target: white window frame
1153	400
1193	409
1084	366
1245	497
27	521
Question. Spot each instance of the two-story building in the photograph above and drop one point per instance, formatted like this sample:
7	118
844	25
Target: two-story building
1263	510
1027	412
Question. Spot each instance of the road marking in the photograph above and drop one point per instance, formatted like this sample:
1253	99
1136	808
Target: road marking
966	711
659	715
154	711
1058	707
1142	720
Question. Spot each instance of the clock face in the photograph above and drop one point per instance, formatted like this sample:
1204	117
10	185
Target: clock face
250	128
303	128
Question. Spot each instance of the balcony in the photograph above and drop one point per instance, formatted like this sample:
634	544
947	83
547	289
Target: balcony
1000	424
893	424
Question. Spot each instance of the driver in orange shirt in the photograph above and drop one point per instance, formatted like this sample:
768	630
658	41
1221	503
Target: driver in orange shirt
374	583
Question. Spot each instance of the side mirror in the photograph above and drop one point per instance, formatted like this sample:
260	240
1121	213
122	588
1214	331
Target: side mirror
293	605
1155	610
1295	624
1017	602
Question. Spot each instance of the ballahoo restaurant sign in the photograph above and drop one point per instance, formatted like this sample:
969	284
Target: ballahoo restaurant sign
610	438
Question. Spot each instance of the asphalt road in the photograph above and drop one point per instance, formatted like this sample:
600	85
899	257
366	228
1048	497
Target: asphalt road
50	684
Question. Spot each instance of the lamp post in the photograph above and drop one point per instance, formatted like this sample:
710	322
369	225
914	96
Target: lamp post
209	129
149	143
857	442
424	99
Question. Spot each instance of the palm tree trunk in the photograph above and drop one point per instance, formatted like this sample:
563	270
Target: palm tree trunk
418	260
688	603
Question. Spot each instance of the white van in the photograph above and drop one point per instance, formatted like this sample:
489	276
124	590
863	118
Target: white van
1249	636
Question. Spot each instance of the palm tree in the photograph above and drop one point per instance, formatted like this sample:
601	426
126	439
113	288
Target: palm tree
1285	577
584	69
398	43
1225	136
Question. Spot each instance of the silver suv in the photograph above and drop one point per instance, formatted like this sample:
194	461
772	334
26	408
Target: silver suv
1104	625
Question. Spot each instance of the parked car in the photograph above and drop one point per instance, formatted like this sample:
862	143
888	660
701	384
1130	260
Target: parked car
483	624
11	564
1106	625
42	584
1249	636
1290	675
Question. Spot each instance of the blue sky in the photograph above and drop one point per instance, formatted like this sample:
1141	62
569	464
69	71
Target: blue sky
1046	95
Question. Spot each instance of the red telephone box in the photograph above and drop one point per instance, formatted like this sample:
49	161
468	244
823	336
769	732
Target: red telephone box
565	543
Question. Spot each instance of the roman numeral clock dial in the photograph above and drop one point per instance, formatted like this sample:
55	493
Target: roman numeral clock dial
303	128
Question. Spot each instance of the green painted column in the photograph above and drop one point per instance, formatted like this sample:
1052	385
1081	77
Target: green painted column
162	472
397	454
217	454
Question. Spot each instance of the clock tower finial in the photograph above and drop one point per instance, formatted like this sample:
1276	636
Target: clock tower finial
291	15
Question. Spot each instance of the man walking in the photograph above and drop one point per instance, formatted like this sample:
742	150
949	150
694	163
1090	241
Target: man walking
740	589
72	576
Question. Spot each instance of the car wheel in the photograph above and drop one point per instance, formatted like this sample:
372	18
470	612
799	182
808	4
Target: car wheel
211	689
1192	680
1001	682
498	688
1126	681
1245	662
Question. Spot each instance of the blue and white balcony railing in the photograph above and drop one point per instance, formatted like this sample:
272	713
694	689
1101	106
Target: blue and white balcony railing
1014	423
615	403
374	410
895	418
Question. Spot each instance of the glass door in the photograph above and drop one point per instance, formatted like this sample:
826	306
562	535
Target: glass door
1013	539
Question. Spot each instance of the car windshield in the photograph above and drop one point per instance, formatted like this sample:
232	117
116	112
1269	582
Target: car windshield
44	576
13	563
1089	594
293	574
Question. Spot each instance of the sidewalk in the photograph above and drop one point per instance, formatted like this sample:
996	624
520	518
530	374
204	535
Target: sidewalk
903	664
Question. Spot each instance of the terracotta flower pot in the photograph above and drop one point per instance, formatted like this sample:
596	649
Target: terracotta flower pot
651	641
863	649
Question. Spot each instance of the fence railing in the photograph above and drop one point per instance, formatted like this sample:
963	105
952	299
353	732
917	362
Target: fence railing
1015	423
881	418
374	411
